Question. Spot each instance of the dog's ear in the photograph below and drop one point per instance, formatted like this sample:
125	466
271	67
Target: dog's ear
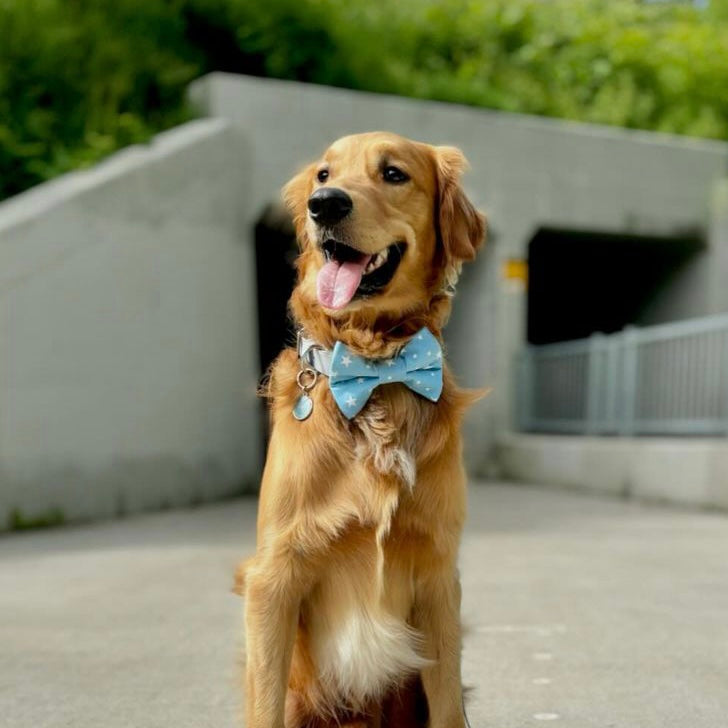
461	227
295	195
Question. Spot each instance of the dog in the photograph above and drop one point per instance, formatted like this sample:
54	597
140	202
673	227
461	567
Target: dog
352	598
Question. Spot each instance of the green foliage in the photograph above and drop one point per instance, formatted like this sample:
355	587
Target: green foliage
80	78
662	67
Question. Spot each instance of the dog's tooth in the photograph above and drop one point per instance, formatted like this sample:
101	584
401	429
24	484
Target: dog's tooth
377	261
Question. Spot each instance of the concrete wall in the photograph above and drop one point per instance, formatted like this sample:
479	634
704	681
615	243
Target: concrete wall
698	288
718	270
526	172
672	470
127	317
127	339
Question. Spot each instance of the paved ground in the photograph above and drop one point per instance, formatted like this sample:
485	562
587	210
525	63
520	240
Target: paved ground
582	612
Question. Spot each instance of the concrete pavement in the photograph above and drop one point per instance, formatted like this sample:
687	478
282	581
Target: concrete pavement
581	612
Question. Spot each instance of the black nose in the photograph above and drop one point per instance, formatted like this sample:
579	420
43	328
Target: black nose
329	205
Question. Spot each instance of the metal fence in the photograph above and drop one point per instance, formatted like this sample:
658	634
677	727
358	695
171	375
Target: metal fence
659	380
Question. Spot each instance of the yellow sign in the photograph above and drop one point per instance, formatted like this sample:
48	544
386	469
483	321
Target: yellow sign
515	269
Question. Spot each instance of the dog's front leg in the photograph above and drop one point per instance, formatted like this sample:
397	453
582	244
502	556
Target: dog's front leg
437	616
271	618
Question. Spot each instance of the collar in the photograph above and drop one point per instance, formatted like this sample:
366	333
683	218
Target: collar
313	354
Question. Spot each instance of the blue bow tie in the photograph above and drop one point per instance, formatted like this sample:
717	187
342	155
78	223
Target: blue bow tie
418	365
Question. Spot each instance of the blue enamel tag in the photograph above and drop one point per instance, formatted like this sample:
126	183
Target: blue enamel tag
303	407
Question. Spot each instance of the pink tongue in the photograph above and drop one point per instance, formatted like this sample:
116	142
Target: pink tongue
337	282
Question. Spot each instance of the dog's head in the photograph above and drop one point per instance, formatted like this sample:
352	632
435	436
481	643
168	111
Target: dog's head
384	226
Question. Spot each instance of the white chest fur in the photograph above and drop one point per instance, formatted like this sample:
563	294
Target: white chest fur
360	655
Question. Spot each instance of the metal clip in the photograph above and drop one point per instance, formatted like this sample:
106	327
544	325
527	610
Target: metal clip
312	374
305	379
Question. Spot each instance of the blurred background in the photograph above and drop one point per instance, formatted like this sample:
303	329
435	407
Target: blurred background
144	290
145	265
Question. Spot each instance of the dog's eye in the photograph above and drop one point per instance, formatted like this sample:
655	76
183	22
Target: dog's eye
323	175
394	175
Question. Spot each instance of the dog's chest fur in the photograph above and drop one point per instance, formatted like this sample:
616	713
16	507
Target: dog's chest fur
360	638
386	442
364	492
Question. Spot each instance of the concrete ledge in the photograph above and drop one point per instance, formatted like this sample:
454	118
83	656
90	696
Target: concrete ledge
136	158
207	94
690	471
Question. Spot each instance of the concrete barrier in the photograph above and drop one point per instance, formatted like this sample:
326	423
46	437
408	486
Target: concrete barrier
688	471
127	333
527	172
128	357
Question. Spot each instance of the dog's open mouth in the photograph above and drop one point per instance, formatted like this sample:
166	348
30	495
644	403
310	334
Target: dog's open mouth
349	273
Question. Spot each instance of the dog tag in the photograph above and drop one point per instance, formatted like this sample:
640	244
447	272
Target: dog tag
303	407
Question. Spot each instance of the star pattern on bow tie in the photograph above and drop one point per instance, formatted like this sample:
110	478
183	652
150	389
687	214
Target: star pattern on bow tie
418	365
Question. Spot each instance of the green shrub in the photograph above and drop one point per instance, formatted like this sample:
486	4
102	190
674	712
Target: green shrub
80	78
661	67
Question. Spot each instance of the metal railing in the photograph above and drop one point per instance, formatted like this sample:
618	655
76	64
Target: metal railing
670	379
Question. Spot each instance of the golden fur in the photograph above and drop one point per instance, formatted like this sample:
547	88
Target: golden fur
352	597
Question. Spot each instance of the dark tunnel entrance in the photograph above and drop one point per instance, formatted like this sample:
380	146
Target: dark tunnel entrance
275	254
584	282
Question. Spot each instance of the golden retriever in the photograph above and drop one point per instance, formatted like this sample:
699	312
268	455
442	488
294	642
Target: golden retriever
353	597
